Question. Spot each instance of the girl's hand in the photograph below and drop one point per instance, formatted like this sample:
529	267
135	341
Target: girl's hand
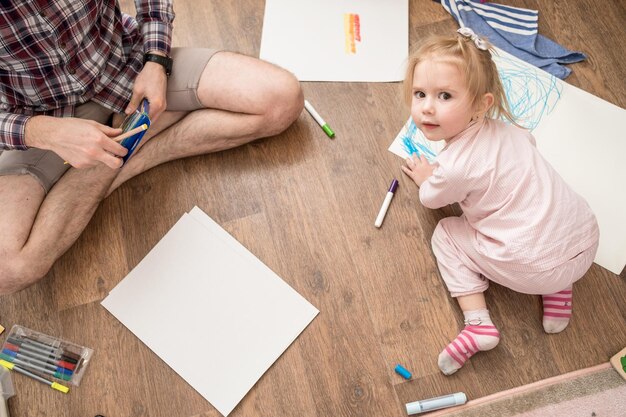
418	168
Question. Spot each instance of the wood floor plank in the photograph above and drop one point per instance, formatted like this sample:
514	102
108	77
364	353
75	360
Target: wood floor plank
342	361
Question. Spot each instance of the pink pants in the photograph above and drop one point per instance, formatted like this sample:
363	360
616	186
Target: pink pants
466	271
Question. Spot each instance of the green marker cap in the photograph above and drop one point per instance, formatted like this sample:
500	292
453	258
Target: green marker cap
328	131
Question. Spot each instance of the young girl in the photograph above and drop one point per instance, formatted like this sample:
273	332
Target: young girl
522	226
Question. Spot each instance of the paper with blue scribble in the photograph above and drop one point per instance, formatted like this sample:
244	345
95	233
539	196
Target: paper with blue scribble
411	140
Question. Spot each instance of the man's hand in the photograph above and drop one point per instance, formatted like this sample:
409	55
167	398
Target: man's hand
82	143
418	168
151	84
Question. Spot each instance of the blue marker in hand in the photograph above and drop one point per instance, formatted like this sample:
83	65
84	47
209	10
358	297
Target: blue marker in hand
138	118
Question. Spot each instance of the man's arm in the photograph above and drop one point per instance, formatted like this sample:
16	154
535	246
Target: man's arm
83	143
12	128
155	21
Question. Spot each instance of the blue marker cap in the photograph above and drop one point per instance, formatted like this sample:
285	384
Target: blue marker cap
404	373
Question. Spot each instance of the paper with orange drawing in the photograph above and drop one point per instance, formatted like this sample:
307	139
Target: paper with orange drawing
337	40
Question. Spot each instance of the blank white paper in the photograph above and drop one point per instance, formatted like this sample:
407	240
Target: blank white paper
337	40
210	309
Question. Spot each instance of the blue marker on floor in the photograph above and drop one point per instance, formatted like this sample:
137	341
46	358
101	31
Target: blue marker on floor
400	370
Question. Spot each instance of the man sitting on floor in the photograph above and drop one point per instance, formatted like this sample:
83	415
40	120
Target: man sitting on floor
68	70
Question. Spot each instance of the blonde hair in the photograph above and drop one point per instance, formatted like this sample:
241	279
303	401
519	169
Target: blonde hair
477	66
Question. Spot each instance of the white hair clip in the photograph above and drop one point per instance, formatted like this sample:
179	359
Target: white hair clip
478	41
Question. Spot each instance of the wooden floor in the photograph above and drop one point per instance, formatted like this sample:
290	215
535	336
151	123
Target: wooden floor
305	205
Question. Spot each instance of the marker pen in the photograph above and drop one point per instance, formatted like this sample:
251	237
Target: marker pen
319	119
53	352
386	202
51	384
34	367
48	358
432	404
34	361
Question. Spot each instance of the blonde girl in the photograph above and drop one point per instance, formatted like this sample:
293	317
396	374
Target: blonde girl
522	226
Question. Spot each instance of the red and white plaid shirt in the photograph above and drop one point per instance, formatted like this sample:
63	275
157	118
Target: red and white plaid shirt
55	55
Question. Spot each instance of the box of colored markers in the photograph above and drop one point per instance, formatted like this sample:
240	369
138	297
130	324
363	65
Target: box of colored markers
48	357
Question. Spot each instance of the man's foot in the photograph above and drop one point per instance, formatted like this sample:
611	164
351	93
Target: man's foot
557	310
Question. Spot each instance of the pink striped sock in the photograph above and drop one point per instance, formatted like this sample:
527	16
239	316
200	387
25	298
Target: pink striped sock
557	310
473	338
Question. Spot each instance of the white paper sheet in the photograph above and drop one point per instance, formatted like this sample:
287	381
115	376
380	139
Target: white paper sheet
316	41
210	309
581	135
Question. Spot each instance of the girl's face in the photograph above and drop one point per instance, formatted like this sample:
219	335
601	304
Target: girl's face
441	107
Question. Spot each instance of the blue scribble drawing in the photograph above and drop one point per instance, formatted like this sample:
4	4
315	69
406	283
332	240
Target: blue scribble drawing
412	145
531	92
414	142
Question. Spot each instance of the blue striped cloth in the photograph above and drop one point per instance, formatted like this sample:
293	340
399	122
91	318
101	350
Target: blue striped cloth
514	30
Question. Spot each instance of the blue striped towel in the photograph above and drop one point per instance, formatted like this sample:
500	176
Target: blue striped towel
514	30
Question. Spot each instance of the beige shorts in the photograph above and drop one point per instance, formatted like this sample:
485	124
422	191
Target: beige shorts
47	167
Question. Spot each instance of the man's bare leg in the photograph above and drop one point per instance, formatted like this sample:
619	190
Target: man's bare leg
37	229
246	99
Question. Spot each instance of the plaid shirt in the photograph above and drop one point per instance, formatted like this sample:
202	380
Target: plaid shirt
55	55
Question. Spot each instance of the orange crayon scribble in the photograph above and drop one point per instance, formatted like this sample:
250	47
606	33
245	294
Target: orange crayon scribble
352	30
348	39
352	44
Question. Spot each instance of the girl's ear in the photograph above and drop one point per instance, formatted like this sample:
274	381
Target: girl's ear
486	102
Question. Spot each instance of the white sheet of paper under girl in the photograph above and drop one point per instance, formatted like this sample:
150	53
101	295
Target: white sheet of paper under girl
337	40
581	135
235	315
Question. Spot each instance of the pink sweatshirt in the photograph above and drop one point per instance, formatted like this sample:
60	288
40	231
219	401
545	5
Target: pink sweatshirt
519	211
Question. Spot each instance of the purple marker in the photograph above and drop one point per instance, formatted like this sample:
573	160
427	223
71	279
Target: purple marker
385	206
